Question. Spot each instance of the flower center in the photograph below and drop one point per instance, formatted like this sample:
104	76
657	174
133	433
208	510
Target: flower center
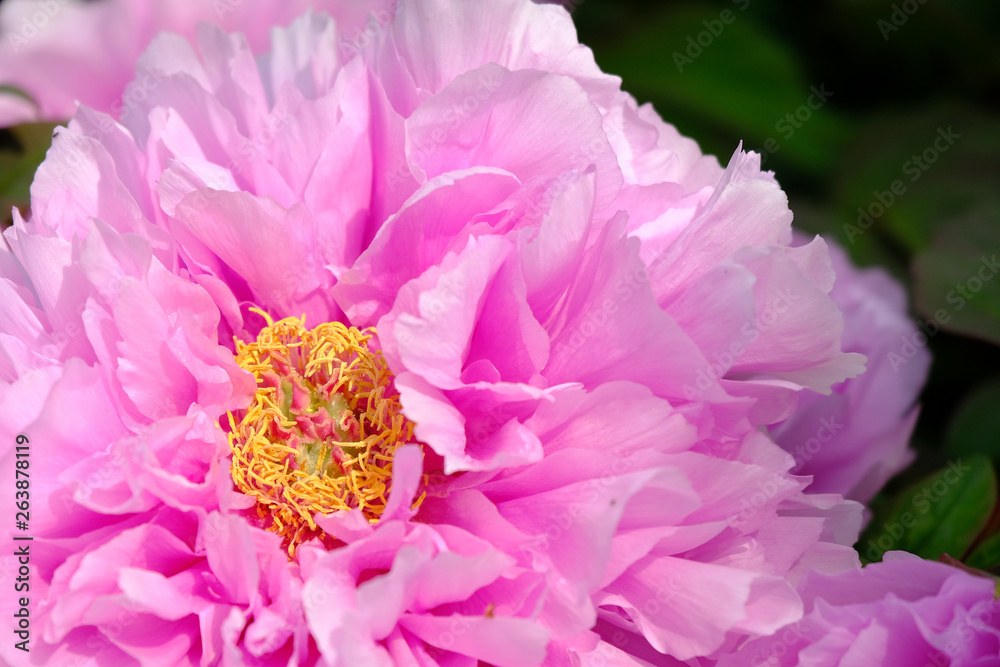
320	433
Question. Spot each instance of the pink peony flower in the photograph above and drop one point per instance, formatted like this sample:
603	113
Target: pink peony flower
853	440
440	352
61	52
902	611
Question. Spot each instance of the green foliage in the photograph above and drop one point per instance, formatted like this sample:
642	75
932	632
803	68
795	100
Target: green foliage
722	70
975	428
987	554
940	514
957	278
20	154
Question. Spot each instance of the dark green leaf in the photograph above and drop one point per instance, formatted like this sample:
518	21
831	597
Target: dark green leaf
957	279
714	68
905	177
987	554
20	156
975	428
942	513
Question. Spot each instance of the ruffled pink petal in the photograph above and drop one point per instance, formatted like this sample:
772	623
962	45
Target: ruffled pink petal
434	316
854	440
788	305
504	642
514	34
551	252
60	290
231	555
613	322
747	209
81	182
407	468
527	122
264	243
417	237
78	420
684	608
85	588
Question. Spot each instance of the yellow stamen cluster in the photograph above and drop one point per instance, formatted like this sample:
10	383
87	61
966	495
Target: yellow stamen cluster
320	433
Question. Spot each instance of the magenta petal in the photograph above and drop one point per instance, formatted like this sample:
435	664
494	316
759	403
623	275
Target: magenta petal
453	577
435	315
717	312
93	575
82	184
407	469
550	254
59	286
418	237
526	122
78	420
504	642
167	360
572	528
747	209
693	605
266	243
787	302
232	556
614	322
507	334
439	424
154	593
854	440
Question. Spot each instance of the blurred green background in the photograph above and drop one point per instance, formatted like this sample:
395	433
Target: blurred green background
843	98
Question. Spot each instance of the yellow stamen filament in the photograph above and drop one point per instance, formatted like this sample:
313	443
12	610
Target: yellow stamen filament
277	458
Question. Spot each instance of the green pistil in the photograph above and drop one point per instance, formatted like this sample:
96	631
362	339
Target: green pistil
286	397
316	457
